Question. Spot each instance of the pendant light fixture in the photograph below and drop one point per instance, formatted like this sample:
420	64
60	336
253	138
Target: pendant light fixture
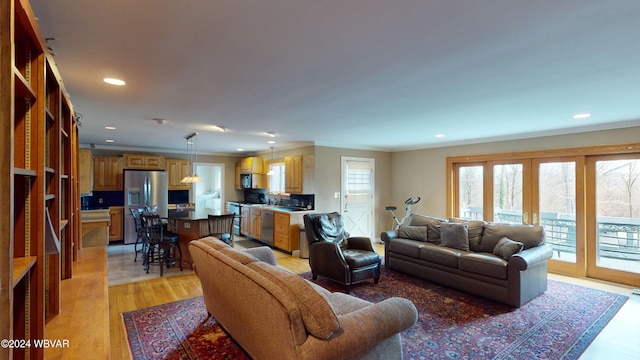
192	149
270	172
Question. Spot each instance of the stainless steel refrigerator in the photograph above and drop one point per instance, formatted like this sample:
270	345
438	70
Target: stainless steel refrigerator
143	188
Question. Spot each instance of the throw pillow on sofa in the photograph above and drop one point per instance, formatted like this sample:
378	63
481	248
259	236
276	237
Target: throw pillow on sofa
476	227
507	247
454	235
413	232
432	224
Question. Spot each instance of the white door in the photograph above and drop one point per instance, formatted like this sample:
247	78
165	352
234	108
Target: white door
357	195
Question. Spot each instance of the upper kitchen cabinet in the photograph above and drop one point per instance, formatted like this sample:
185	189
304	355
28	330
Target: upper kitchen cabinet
252	165
107	173
293	174
86	171
176	171
143	162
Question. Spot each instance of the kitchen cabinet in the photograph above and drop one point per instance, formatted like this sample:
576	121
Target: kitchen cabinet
245	219
255	222
143	162
116	229
286	230
252	165
176	171
237	176
293	174
86	171
107	173
258	180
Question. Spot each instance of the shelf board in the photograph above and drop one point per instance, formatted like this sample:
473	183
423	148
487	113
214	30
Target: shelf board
50	117
23	88
64	176
64	133
49	197
50	170
21	266
63	223
24	172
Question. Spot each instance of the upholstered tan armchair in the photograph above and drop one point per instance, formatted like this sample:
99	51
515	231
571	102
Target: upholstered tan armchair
333	254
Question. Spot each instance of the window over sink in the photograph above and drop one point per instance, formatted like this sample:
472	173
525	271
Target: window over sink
276	179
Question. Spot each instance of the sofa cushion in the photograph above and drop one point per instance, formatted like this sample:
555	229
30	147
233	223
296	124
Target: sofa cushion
318	316
357	258
413	232
238	255
454	235
507	247
529	235
406	247
432	224
476	227
440	255
483	264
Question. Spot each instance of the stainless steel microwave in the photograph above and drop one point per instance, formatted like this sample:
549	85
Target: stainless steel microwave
246	181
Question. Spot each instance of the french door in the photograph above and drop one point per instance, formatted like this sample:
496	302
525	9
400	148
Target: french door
613	210
588	204
539	191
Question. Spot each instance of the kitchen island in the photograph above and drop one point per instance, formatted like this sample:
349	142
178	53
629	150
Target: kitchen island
190	225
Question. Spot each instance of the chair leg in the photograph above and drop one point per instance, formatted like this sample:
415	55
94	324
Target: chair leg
180	258
314	276
347	289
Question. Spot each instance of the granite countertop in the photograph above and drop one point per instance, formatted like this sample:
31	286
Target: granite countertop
192	215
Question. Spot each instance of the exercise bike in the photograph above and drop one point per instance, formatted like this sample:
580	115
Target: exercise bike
410	202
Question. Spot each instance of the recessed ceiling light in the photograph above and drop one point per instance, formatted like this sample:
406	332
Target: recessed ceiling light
582	116
440	135
113	81
160	121
271	133
109	141
271	142
240	149
110	127
219	128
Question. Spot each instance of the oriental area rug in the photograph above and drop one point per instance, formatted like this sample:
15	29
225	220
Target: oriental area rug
558	324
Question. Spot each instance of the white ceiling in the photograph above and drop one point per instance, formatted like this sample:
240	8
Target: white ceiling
368	74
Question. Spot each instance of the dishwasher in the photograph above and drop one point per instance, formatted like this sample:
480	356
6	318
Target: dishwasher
266	231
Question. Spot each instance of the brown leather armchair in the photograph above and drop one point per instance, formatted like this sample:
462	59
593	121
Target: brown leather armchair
333	254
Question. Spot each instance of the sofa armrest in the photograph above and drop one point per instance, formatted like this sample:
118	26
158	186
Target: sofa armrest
388	235
530	257
378	321
360	242
263	253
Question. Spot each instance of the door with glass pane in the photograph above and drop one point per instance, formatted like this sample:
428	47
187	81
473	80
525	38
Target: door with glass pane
614	218
470	199
556	184
357	196
511	195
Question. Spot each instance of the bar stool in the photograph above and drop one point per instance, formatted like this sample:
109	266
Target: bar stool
161	246
135	213
221	226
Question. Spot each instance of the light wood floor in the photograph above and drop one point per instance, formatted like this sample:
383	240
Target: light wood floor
619	339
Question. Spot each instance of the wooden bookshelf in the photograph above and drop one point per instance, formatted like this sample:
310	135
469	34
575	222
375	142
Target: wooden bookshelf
39	199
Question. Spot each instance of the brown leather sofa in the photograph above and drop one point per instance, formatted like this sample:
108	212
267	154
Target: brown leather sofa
502	262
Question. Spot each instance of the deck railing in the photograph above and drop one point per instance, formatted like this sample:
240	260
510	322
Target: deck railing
618	237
